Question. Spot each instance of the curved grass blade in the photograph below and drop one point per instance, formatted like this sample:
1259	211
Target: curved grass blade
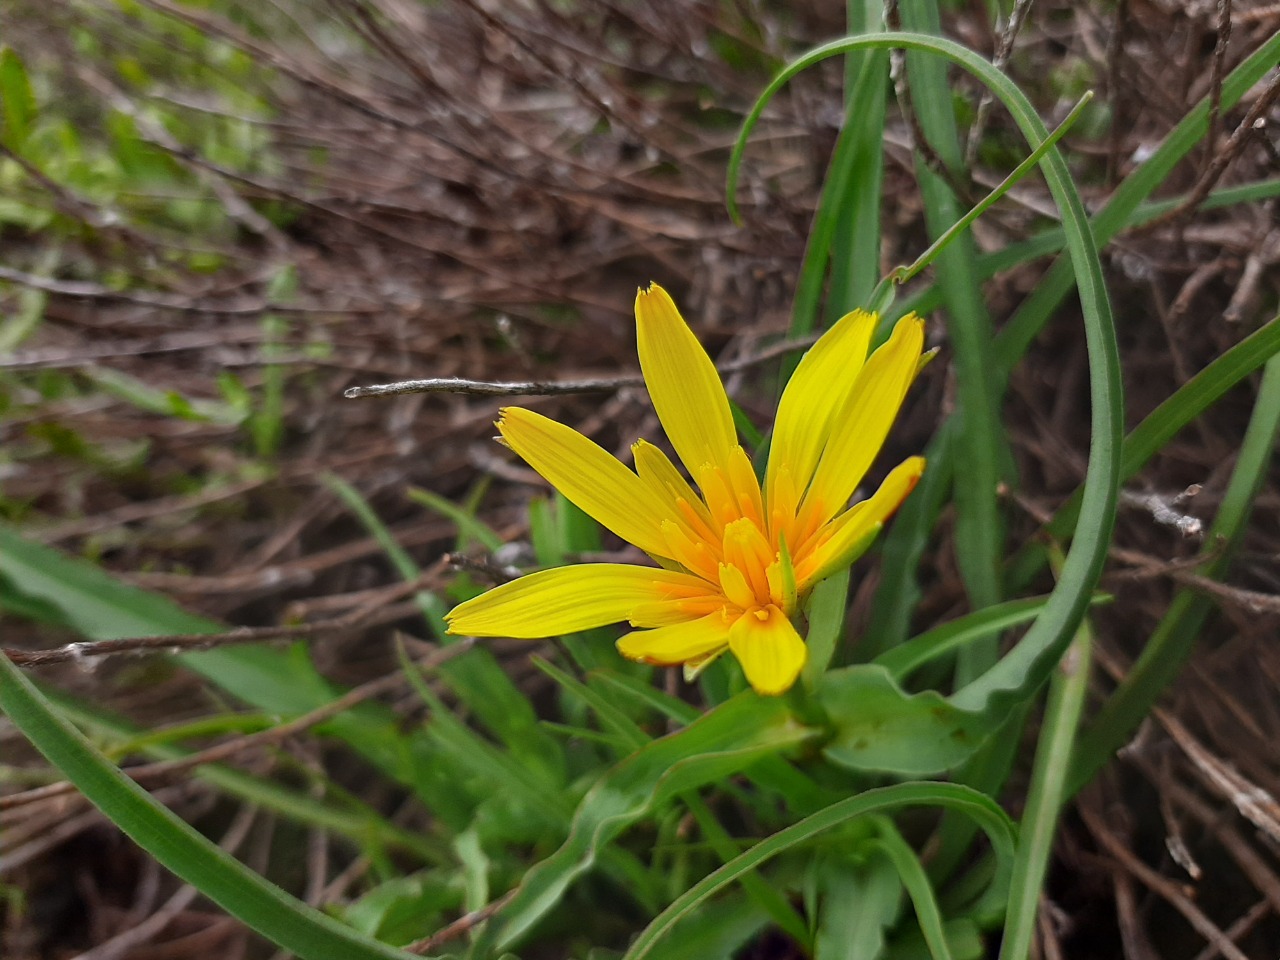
260	904
1123	209
1029	663
982	809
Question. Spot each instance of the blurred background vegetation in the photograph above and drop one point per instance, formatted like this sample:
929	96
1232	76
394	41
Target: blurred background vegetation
217	216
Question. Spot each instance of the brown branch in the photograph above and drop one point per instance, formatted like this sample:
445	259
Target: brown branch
460	927
1000	61
1163	887
548	388
1235	143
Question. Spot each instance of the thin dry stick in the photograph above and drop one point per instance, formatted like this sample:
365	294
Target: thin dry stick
1011	30
459	927
1162	886
1244	923
548	388
222	751
244	306
902	91
1235	143
1219	69
1253	601
1115	59
494	388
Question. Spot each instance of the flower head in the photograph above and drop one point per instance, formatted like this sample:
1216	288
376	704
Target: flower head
735	558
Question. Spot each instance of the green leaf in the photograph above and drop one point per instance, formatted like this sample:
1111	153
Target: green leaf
964	940
404	909
858	903
720	743
17	102
828	605
877	726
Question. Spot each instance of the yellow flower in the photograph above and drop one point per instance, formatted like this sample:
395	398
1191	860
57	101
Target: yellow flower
736	560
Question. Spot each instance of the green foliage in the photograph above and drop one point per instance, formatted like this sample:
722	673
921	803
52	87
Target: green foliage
17	102
877	726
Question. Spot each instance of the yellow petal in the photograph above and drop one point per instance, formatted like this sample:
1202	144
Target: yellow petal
769	649
860	426
656	469
683	383
667	612
693	553
783	588
736	588
691	640
850	534
746	488
746	549
816	391
551	602
589	476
